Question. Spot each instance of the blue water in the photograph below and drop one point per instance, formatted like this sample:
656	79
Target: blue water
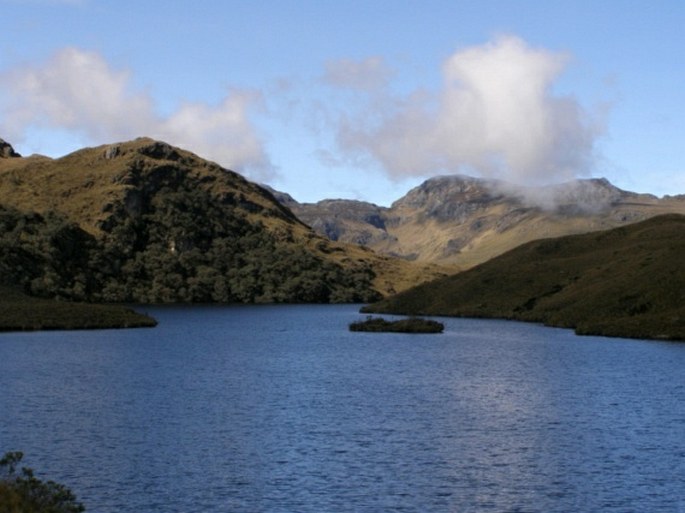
281	409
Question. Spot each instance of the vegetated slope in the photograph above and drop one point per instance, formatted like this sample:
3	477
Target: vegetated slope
145	222
463	221
20	312
49	257
626	282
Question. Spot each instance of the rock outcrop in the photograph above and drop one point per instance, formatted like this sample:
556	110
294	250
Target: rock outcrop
6	150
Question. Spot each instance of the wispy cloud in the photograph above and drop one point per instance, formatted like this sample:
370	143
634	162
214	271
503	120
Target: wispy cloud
367	74
496	115
79	91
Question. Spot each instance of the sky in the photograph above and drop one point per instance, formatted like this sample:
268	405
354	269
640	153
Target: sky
358	99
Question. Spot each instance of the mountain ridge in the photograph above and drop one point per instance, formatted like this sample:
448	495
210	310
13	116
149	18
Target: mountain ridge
461	221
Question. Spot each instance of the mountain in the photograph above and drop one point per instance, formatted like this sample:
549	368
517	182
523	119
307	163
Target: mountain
142	221
351	221
627	282
462	221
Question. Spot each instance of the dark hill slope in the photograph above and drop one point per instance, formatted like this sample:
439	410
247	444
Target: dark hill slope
625	282
20	312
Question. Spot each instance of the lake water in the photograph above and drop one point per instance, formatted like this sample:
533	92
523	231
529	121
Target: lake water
281	409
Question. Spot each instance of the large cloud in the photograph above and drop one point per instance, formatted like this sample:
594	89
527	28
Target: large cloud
496	115
78	91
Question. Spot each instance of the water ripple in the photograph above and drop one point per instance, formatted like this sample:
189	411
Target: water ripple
241	410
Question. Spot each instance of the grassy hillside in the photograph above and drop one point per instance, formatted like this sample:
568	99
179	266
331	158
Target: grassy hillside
625	282
145	222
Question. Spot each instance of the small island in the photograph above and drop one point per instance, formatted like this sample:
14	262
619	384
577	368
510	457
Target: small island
411	325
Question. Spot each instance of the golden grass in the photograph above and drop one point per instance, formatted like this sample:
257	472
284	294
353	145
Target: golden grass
88	186
418	236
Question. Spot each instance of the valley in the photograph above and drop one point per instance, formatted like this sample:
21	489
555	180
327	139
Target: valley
145	222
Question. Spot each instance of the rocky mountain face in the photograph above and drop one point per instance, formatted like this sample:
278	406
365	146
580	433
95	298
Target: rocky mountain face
462	221
356	222
143	221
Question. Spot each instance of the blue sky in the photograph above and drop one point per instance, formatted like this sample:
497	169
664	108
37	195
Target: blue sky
358	99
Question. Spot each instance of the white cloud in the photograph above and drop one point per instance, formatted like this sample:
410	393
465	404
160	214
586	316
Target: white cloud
496	115
221	132
78	91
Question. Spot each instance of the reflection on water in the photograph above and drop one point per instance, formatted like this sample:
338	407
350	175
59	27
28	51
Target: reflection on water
281	409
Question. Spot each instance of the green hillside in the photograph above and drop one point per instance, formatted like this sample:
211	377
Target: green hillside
145	222
624	282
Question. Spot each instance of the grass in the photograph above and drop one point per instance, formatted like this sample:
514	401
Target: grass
624	282
19	312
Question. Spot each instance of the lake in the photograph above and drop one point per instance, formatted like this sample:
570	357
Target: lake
282	409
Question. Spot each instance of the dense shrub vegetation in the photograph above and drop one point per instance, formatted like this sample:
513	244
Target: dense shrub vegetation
177	246
22	492
411	325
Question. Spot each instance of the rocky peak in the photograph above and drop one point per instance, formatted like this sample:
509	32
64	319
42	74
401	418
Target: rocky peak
6	150
159	150
443	197
441	189
156	150
449	198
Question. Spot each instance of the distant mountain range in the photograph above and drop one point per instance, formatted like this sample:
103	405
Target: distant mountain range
462	221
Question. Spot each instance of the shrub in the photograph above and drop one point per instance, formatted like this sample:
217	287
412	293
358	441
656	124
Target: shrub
411	325
22	492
